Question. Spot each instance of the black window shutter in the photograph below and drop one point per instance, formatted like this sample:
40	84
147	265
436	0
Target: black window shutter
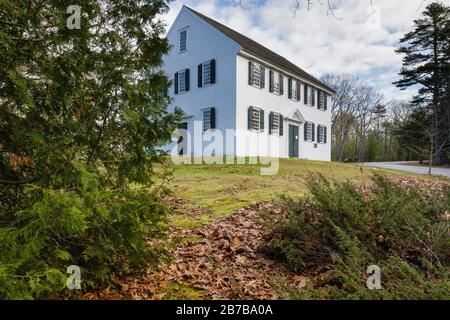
313	98
249	118
261	120
325	106
213	71
313	132
271	82
250	73
298	90
176	83
306	93
290	88
200	75
263	76
324	134
281	124
213	118
270	122
305	131
186	81
281	80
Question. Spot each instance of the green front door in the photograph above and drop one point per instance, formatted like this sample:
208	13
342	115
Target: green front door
293	141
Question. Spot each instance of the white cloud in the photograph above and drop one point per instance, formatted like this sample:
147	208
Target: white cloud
320	43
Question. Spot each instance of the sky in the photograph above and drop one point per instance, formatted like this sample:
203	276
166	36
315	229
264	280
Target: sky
358	37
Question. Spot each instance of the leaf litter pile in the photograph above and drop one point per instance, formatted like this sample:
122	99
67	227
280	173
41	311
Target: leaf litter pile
223	259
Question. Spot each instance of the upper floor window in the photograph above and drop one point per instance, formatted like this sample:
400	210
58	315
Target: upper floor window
256	74
183	40
276	83
294	89
207	73
310	95
322	100
182	81
255	119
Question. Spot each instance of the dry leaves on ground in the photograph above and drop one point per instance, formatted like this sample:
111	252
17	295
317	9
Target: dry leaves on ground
225	262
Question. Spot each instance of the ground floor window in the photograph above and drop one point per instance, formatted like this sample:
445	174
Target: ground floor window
309	131
276	123
255	119
321	134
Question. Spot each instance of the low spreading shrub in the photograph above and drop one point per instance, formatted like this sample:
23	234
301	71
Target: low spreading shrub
103	231
336	232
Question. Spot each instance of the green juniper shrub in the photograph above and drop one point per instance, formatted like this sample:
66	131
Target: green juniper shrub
83	114
339	229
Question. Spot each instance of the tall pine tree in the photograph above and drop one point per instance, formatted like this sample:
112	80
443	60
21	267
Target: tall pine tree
426	63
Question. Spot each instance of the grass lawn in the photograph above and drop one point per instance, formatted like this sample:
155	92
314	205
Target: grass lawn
221	189
204	193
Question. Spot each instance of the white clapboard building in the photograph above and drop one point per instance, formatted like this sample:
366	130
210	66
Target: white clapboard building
241	97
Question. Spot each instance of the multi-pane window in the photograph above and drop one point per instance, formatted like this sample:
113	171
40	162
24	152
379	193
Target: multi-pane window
209	119
295	92
206	73
183	40
276	87
276	82
276	123
320	134
308	131
294	89
206	119
257	75
256	120
310	96
181	81
321	100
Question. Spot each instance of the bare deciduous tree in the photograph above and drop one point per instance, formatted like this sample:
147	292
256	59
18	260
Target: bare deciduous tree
367	99
343	108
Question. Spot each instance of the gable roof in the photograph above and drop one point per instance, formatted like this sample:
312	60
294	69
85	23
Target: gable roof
260	51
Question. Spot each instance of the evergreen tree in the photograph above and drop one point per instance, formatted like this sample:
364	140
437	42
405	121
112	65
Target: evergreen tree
426	63
83	111
414	133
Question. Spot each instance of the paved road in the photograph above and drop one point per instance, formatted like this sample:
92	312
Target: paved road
403	166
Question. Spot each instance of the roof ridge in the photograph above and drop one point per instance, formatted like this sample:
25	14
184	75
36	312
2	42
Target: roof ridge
255	48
